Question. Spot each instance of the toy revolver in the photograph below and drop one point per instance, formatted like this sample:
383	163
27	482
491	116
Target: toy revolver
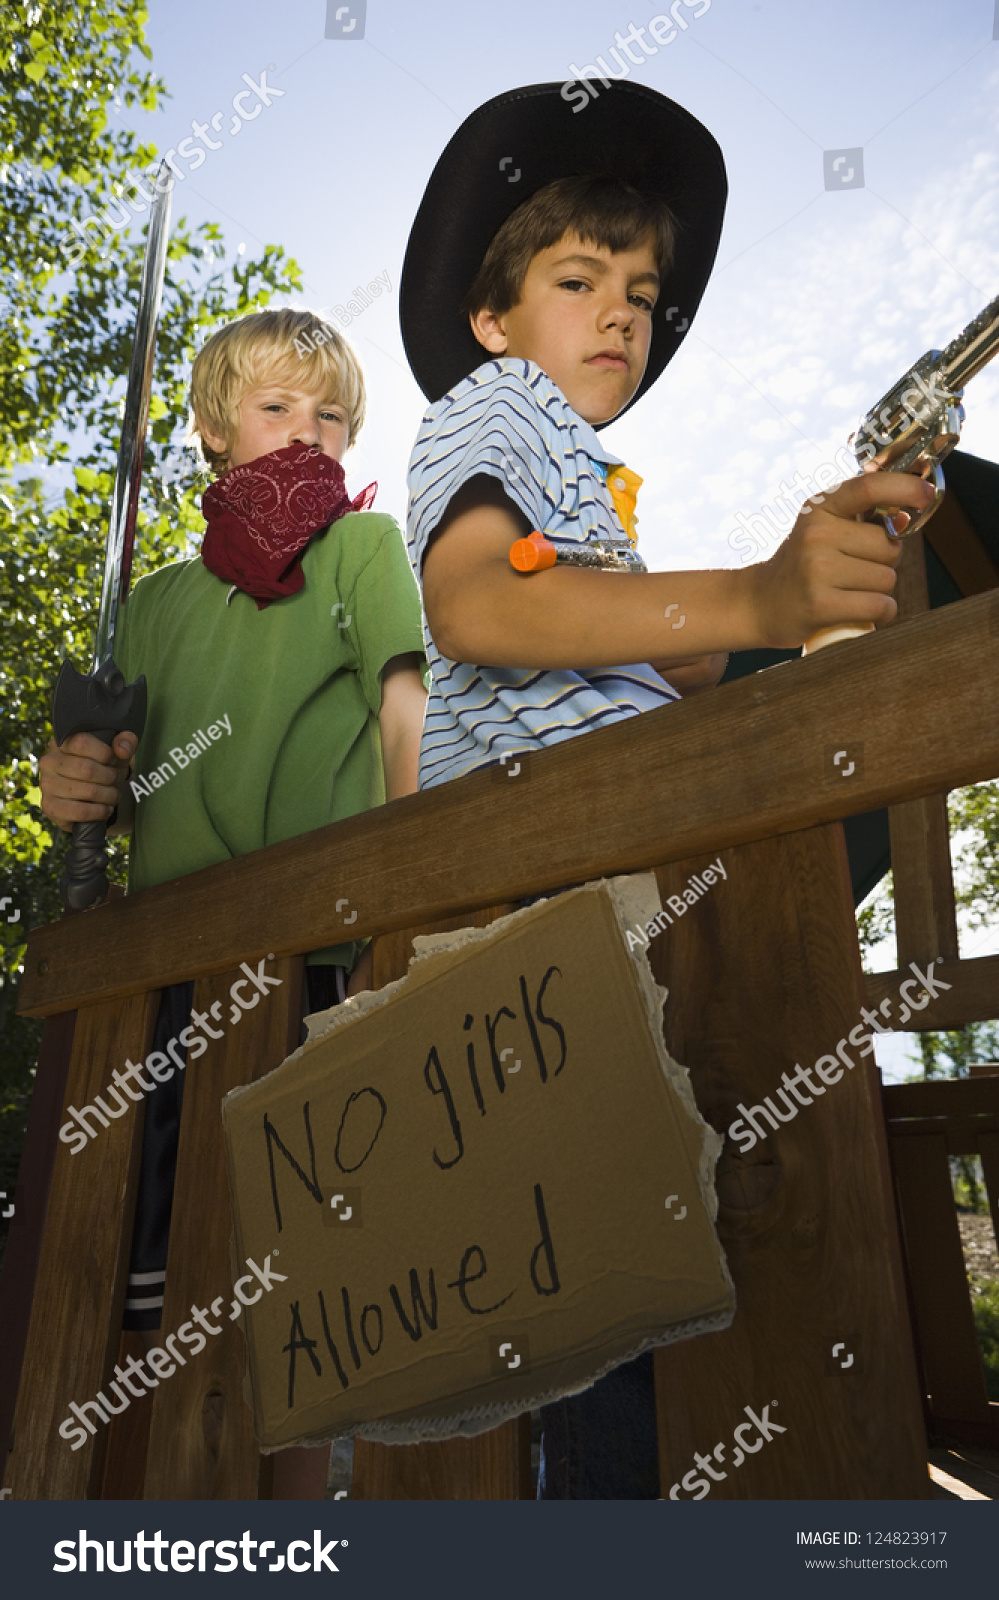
917	424
537	552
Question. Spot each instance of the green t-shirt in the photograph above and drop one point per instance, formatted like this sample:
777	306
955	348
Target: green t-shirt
263	724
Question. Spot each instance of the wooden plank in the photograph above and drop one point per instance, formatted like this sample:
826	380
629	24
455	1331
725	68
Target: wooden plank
493	1465
79	1295
962	1135
911	593
948	1345
128	1435
489	1467
748	761
31	1198
805	1216
201	1440
941	1097
950	533
925	914
973	995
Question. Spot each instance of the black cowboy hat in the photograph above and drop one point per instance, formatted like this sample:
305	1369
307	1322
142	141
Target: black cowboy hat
516	144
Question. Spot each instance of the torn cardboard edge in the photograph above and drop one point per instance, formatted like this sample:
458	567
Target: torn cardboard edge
467	1424
482	1419
635	898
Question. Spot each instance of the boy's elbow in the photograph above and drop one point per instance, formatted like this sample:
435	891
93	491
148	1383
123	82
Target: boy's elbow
444	622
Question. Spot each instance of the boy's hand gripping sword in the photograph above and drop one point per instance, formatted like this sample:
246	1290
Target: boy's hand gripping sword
917	424
101	702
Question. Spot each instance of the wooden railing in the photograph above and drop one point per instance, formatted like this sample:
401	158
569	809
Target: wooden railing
752	761
762	975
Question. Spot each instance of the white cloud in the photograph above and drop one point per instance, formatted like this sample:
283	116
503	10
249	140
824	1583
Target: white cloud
805	333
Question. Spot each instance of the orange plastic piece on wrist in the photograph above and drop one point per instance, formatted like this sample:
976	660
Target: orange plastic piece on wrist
533	554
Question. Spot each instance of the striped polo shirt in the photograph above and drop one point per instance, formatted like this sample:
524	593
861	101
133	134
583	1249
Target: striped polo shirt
508	419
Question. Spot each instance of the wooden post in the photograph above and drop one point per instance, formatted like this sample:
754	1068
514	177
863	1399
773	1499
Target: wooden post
764	973
925	915
201	1440
31	1198
73	1335
952	537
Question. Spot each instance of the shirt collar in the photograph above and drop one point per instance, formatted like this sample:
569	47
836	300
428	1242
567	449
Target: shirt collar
584	435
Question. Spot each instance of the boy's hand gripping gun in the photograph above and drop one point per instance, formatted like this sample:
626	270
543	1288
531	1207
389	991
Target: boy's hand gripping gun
916	424
100	702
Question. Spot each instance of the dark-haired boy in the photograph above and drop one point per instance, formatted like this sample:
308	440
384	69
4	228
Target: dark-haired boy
566	287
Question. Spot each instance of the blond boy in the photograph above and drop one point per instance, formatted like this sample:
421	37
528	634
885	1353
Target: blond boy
285	689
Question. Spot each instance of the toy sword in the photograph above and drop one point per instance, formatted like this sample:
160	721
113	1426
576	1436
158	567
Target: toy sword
100	702
916	425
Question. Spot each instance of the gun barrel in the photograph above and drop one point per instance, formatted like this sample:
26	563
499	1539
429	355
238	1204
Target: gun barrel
973	348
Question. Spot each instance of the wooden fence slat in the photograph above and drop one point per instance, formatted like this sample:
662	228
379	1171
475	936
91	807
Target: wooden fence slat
752	760
201	1440
31	1198
79	1295
763	973
948	1345
493	1465
128	1436
925	914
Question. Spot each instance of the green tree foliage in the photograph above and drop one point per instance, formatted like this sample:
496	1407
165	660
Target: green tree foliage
949	1055
876	920
974	822
68	299
973	815
59	68
985	1305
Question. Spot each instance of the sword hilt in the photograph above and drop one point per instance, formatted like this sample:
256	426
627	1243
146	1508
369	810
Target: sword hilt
103	704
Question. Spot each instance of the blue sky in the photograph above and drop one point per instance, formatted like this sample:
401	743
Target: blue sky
819	300
821	297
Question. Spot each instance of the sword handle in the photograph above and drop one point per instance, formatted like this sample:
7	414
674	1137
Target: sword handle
103	704
84	881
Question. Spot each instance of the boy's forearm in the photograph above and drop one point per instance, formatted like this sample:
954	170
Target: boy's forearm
835	567
400	724
570	617
401	759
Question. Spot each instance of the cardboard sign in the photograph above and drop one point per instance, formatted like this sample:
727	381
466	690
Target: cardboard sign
484	1185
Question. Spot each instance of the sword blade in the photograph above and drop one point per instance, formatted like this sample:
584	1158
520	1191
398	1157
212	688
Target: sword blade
128	474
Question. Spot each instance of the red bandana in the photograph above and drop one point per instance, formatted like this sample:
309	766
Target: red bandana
262	515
